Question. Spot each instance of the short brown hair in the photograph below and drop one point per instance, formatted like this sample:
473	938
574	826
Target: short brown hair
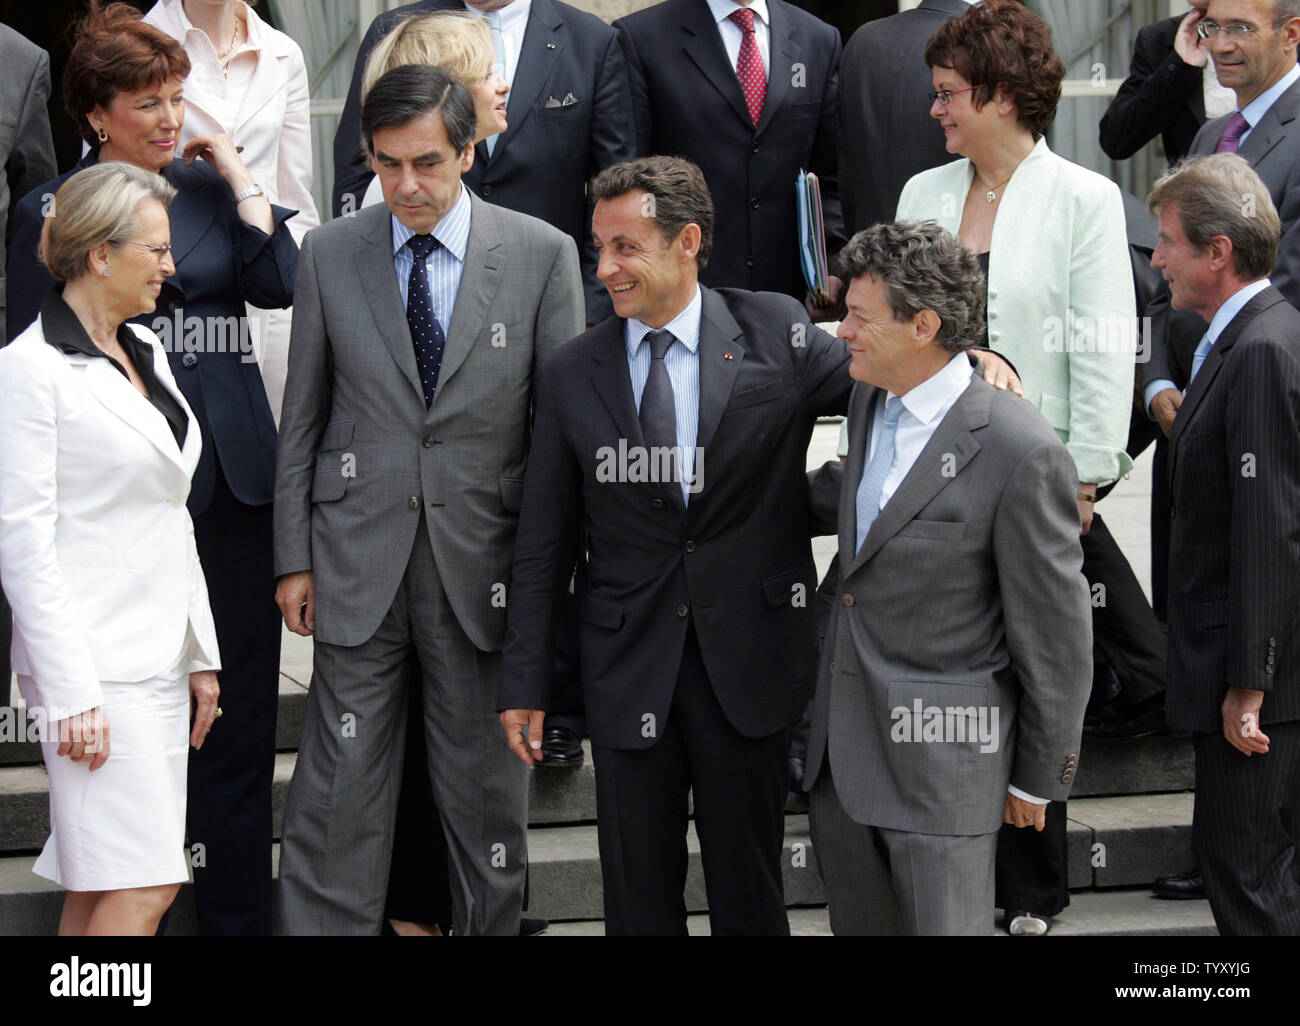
1001	43
681	196
116	51
1220	194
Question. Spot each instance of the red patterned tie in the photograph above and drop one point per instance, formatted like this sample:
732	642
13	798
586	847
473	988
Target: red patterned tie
749	64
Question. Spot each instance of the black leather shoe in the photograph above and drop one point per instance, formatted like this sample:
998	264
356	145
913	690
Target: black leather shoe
1147	720
796	799
1182	886
561	747
532	927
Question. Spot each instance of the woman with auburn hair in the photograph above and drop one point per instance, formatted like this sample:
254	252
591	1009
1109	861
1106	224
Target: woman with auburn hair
230	247
1051	238
250	82
112	629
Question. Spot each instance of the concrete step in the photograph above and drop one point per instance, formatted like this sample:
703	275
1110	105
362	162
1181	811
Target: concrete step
1140	837
1149	765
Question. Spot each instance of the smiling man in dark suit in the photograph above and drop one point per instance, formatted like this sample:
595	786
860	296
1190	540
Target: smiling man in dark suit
1234	679
676	435
747	91
569	112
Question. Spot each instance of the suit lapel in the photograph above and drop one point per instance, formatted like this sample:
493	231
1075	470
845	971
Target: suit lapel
538	56
189	452
933	470
721	355
269	77
613	382
862	408
190	215
704	47
1272	127
479	281
117	395
374	260
783	54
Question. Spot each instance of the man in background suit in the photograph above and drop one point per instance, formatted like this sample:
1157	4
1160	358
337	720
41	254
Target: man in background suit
947	480
698	639
569	112
1168	81
27	153
747	91
1234	626
402	449
885	135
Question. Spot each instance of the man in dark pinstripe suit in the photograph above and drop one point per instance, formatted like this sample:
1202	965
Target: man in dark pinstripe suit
1234	676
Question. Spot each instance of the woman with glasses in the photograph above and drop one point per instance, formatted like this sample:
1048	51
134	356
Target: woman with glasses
124	85
1061	308
112	628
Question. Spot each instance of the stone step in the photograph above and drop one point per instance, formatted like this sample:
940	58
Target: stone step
1141	837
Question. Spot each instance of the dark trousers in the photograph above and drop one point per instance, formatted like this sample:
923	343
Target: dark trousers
1246	831
738	784
229	805
1031	866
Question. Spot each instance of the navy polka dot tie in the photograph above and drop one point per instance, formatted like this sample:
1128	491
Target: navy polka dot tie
426	333
749	64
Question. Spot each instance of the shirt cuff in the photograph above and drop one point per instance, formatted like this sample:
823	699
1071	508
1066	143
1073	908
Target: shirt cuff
1026	797
1151	390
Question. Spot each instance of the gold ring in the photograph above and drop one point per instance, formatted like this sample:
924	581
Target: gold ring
219	713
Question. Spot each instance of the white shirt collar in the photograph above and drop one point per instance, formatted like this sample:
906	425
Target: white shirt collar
937	392
1259	106
722	9
512	14
252	28
685	326
1233	306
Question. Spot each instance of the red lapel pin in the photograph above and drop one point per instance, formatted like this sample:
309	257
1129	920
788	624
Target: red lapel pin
726	356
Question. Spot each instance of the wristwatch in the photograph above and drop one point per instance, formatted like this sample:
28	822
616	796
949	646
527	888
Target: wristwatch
252	190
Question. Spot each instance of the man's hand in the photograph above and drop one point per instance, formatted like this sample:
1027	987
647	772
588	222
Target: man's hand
84	736
1085	507
1241	721
831	311
296	597
519	723
997	372
1020	813
1188	45
1164	407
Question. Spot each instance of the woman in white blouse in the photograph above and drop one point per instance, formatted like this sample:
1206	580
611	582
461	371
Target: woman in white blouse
112	629
249	81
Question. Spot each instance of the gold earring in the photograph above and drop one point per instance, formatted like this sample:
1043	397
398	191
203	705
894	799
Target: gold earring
103	136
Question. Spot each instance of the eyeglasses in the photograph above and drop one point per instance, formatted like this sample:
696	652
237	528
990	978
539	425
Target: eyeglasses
944	96
160	251
1236	31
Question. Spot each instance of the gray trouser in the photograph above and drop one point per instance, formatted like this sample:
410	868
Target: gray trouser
881	881
342	803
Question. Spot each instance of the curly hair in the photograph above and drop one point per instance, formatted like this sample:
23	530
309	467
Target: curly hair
924	267
1000	43
116	51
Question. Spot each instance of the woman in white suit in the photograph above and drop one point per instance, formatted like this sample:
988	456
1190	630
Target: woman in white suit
1061	308
112	630
249	81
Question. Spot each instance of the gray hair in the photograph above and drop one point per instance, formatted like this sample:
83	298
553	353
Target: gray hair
681	196
96	206
1287	9
1220	194
923	267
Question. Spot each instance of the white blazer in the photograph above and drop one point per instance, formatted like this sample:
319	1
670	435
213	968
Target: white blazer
97	548
271	120
1061	305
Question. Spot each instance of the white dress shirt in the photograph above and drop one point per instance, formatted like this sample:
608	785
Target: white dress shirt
444	264
514	19
731	34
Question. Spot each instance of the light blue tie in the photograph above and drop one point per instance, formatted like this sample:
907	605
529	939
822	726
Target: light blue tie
873	481
499	43
1198	358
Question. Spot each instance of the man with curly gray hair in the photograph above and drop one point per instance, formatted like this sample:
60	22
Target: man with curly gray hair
959	664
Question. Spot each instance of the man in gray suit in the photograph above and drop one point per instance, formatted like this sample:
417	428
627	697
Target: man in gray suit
958	660
401	463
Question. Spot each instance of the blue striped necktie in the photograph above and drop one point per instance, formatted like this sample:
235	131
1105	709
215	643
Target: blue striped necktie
426	333
873	481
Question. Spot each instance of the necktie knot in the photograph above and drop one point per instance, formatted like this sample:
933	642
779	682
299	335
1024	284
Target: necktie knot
1231	139
744	19
422	245
660	343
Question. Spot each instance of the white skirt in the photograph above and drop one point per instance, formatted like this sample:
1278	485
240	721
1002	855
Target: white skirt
123	825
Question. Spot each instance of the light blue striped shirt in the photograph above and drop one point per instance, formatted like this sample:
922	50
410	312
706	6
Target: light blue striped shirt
683	363
444	264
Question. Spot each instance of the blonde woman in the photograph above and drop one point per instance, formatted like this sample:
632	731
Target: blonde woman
112	629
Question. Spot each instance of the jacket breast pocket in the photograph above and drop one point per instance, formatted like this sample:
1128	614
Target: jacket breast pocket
756	394
932	530
558	115
802	111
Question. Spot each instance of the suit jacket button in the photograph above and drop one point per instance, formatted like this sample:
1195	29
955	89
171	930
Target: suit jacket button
414	502
682	611
189	359
754	203
834	668
690	546
848	599
487	190
427	441
1173	513
754	148
749	261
